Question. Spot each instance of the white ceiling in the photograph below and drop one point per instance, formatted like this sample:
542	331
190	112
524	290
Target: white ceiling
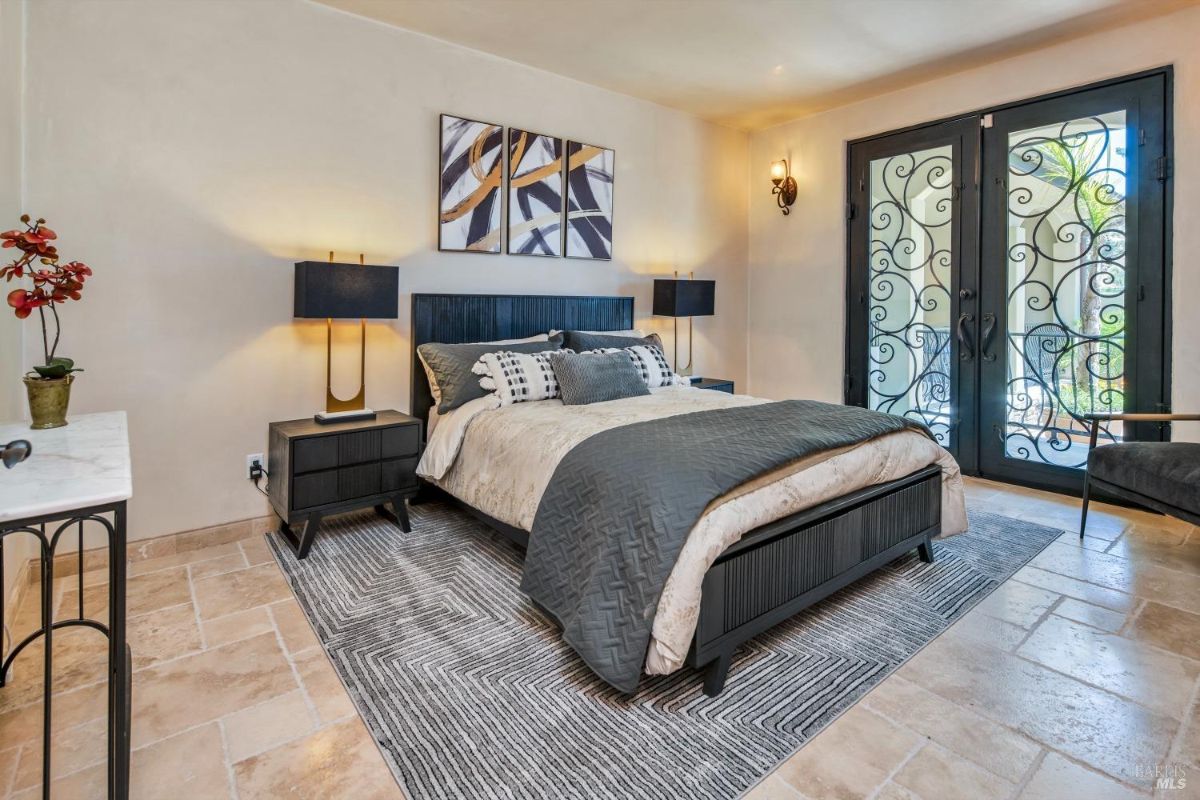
753	63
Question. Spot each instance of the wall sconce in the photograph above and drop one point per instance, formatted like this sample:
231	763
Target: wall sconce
785	185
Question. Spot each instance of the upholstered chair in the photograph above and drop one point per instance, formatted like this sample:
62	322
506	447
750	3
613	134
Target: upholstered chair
1164	476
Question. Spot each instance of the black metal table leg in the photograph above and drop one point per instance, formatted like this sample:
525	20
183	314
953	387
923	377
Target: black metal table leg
119	665
47	663
120	668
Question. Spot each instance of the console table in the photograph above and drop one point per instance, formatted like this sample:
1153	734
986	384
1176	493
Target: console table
74	475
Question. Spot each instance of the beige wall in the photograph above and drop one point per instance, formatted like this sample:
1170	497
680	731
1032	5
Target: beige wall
797	263
192	151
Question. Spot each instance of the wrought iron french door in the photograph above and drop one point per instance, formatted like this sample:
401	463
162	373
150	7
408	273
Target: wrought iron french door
1008	275
1073	275
913	255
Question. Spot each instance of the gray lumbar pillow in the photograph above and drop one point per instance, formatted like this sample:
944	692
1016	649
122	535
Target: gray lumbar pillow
449	367
581	341
596	377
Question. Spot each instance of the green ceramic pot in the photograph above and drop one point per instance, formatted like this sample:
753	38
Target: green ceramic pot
48	400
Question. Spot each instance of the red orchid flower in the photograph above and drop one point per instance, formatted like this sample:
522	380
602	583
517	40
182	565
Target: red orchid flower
53	283
25	302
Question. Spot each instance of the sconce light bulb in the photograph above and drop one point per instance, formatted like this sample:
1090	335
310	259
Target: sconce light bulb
778	172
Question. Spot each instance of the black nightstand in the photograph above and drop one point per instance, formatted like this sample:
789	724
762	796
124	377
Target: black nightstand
719	384
320	470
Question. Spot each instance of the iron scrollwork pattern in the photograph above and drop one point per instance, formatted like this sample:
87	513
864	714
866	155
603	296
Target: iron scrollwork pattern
912	205
1066	277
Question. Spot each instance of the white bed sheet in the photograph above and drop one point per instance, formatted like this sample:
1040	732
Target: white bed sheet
500	460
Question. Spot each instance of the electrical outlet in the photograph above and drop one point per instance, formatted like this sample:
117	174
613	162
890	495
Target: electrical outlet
254	460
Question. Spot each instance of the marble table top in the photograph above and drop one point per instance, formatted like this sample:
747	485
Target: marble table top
83	464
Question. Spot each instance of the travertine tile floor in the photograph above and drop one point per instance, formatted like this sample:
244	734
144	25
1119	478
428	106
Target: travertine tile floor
1076	679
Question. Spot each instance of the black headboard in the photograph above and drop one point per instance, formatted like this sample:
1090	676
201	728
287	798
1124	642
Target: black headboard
457	318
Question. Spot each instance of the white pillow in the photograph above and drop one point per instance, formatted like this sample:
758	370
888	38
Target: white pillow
651	363
517	377
436	390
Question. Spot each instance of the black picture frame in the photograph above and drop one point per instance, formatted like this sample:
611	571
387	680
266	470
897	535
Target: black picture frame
495	196
559	233
579	184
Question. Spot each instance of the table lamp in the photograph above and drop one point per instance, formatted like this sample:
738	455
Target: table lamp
687	298
345	291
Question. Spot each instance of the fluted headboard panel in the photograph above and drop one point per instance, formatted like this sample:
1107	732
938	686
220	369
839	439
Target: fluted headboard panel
458	318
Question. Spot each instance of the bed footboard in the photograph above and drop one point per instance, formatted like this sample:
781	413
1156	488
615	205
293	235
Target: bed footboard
779	569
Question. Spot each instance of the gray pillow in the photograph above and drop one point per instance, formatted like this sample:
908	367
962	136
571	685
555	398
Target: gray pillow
449	367
596	377
580	341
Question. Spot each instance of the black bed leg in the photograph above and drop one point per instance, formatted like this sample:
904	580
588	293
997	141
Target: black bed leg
925	550
715	673
1087	485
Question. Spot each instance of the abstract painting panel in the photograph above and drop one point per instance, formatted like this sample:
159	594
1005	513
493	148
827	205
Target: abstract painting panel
589	201
534	193
472	162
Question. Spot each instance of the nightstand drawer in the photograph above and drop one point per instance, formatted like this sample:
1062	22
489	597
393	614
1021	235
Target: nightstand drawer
314	489
310	455
403	440
358	481
356	448
399	473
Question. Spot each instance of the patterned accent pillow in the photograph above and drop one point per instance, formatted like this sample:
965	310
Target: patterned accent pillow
517	377
651	363
588	378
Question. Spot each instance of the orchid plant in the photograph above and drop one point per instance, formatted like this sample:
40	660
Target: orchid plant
54	283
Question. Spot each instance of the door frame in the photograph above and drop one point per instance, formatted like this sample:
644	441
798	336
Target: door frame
1167	72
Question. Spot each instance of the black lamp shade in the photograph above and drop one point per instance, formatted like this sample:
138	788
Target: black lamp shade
346	291
677	298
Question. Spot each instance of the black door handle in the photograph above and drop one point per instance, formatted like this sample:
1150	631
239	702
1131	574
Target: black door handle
965	350
989	327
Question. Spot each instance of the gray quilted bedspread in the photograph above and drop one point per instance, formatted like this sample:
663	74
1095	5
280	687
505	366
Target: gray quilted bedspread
614	518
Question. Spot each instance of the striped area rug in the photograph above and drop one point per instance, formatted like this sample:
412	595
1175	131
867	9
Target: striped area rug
470	693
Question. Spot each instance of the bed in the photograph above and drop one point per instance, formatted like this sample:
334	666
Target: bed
758	556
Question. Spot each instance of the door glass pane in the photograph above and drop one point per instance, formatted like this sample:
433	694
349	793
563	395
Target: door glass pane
909	312
1065	348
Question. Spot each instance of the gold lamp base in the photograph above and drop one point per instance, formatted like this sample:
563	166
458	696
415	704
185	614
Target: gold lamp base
337	409
686	369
